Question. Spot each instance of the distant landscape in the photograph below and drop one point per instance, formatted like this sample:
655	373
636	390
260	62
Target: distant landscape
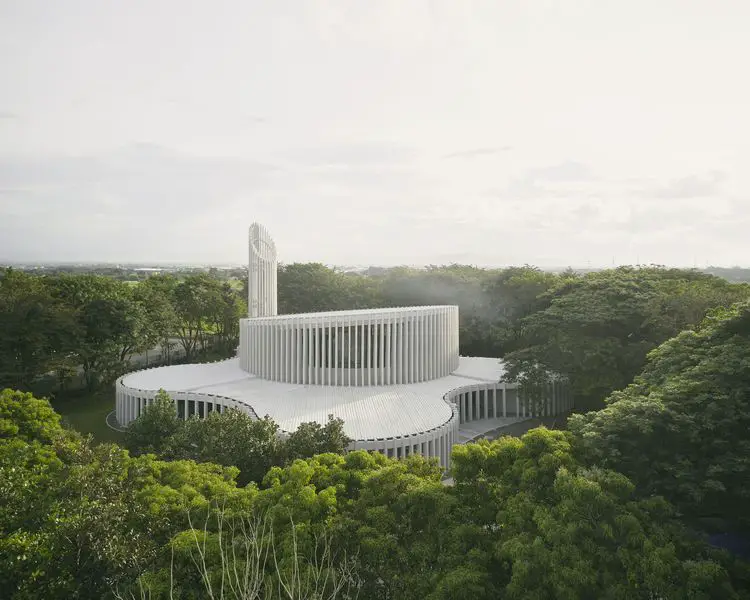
140	271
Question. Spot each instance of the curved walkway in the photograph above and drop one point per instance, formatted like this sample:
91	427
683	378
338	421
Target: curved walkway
111	421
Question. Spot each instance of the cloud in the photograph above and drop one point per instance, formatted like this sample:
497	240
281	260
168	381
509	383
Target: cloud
477	152
147	201
567	171
569	198
692	186
355	154
131	188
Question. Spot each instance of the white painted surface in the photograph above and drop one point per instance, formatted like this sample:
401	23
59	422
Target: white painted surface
369	412
379	347
261	273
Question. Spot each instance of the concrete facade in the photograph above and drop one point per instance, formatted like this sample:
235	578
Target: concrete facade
356	347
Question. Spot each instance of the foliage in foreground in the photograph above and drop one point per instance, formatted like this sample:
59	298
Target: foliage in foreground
525	519
229	438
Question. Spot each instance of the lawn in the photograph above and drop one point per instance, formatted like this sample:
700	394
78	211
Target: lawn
87	413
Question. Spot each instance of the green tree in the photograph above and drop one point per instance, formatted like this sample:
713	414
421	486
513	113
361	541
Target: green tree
199	304
155	296
77	519
561	530
313	287
156	427
230	438
22	416
515	293
112	324
226	310
681	429
37	333
598	329
313	438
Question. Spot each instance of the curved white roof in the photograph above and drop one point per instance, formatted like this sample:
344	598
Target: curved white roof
368	412
359	312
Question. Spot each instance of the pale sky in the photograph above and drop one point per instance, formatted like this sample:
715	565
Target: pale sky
376	131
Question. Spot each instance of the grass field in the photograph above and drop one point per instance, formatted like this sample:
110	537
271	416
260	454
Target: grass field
87	413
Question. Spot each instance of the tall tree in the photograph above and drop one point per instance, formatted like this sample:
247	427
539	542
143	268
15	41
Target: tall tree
598	329
681	429
225	311
155	296
37	333
313	438
561	530
194	299
112	324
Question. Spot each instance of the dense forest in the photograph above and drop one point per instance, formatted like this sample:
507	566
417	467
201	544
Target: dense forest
635	499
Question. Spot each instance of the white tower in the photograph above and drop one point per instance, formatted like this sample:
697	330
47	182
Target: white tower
261	274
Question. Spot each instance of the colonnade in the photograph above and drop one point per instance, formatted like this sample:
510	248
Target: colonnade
353	348
130	404
494	400
437	442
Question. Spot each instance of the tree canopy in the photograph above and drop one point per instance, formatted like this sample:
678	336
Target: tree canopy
681	429
598	329
525	518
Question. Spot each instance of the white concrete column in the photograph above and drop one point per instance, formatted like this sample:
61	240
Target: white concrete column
388	354
443	453
437	370
380	352
420	352
118	404
291	352
329	354
412	350
358	354
307	371
403	367
368	354
446	347
319	353
429	347
336	344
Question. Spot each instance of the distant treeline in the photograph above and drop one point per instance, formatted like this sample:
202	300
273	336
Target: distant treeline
141	272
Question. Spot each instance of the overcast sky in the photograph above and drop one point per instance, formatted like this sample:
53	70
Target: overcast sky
376	131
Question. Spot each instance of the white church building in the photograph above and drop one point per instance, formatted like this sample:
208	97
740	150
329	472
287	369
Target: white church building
394	375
